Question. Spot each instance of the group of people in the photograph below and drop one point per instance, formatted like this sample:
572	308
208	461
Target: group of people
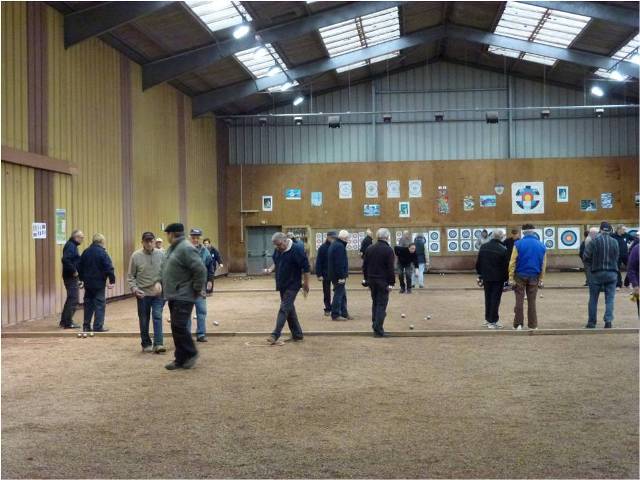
181	275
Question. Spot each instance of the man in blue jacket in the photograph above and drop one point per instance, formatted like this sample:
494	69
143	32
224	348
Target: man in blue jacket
338	271
201	302
70	263
94	270
526	273
290	263
322	271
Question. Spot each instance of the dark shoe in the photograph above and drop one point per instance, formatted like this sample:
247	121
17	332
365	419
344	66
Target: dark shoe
191	362
85	329
159	349
297	339
421	286
589	325
409	291
172	366
202	338
607	325
401	291
73	325
380	335
327	313
348	317
271	340
102	330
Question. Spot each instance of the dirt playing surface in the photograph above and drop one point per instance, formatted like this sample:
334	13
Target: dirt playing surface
497	407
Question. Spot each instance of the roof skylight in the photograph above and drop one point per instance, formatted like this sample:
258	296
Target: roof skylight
219	14
284	87
368	62
260	61
539	25
630	51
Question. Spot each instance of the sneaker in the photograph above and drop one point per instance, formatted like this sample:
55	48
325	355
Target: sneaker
338	319
607	325
349	317
491	326
421	286
380	335
297	339
533	328
327	313
519	327
401	291
409	291
73	325
172	366
202	338
191	362
486	324
159	349
343	319
498	325
271	340
147	349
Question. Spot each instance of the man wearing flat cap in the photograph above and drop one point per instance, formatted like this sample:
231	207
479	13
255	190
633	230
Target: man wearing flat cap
322	270
183	277
201	303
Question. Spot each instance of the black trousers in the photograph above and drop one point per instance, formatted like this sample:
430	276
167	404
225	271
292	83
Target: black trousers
379	301
492	297
406	272
70	305
326	291
182	339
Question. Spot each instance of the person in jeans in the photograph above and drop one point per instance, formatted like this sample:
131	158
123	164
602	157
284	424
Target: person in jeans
291	266
492	266
407	264
601	255
379	276
183	279
143	273
94	269
620	236
422	255
322	271
201	302
70	263
338	271
526	274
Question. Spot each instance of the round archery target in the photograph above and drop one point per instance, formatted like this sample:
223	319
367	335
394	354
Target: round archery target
465	246
452	246
434	247
434	236
452	233
434	241
549	232
465	233
568	238
550	243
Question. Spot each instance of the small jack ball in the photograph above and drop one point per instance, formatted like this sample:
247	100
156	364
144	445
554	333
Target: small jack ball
428	317
84	335
91	334
79	335
216	323
541	296
403	315
411	327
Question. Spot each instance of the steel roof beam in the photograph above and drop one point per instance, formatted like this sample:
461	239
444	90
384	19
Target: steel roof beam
609	13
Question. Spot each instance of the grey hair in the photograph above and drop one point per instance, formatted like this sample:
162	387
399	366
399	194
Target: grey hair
383	234
98	238
499	234
279	237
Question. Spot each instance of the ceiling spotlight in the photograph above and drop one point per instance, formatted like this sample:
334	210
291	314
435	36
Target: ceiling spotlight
262	121
439	116
333	121
596	91
386	118
492	117
599	112
298	100
297	120
273	71
241	31
546	113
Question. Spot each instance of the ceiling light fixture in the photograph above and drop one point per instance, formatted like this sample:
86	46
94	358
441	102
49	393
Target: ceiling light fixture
596	91
298	100
241	31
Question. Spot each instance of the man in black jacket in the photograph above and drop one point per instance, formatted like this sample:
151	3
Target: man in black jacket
407	263
379	276
620	236
492	266
366	243
322	271
70	262
338	270
94	270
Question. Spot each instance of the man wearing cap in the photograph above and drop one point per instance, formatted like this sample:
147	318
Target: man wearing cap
322	270
144	271
183	277
159	244
338	271
601	257
201	302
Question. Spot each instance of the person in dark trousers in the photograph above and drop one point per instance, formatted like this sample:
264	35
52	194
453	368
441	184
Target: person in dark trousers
632	271
379	276
602	256
94	270
322	271
366	243
292	273
215	254
70	264
338	271
183	279
407	264
492	266
422	255
510	242
620	236
581	255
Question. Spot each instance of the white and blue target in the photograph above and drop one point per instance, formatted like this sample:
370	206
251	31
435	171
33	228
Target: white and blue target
465	246
452	246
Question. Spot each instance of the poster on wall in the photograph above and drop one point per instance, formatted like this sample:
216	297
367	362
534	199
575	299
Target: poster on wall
442	200
637	199
588	205
345	191
562	194
398	237
434	241
415	188
61	226
393	188
606	200
320	238
371	210
38	230
468	203
527	198
549	237
568	238
404	210
371	188
499	188
267	203
316	199
293	194
487	201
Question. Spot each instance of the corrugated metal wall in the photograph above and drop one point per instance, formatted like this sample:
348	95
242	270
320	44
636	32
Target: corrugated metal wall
465	135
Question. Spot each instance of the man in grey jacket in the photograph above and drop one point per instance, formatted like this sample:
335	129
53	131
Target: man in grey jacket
184	278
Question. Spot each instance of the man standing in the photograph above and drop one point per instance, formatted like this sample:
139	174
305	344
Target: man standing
492	266
144	271
583	245
366	243
601	255
407	263
379	276
422	255
184	278
201	302
290	264
322	271
526	273
620	236
484	238
633	275
510	242
159	244
215	255
94	269
405	240
70	263
338	271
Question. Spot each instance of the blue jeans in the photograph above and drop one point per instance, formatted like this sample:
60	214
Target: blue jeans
201	317
94	302
287	314
602	281
339	303
419	279
150	307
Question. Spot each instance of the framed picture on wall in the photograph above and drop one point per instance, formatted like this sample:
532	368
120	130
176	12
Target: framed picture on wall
562	194
267	203
404	209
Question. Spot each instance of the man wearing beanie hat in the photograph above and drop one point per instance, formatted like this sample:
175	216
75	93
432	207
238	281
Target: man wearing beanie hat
601	258
322	270
184	278
338	271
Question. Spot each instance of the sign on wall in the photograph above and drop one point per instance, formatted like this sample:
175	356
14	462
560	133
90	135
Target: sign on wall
371	188
61	226
527	198
293	194
415	188
345	190
38	230
393	188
